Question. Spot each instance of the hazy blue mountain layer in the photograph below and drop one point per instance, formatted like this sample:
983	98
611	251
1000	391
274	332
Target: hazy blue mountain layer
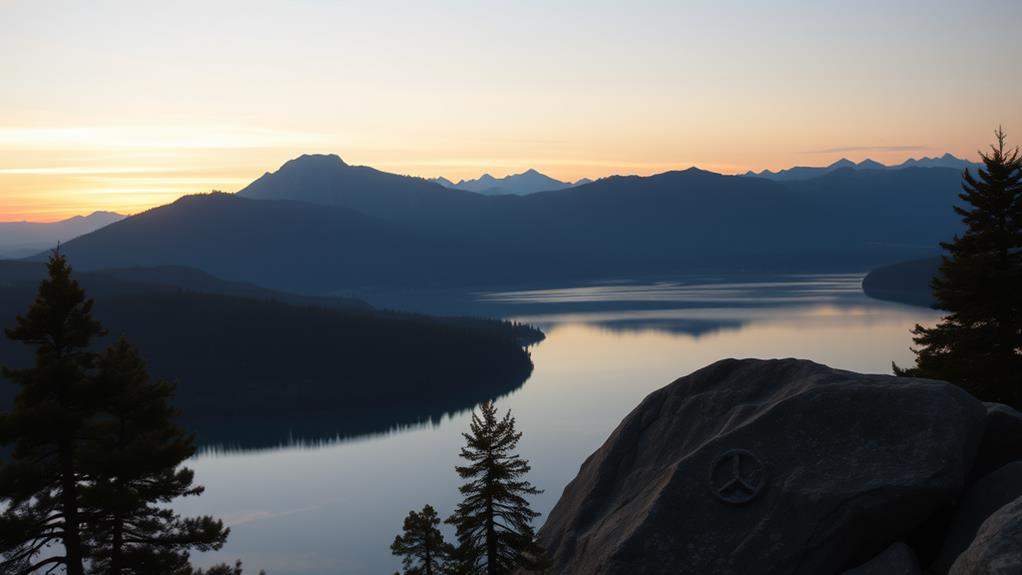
23	239
804	172
318	226
527	182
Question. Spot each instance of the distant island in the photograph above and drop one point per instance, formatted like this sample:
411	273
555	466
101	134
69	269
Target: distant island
903	282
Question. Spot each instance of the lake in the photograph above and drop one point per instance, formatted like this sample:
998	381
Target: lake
336	507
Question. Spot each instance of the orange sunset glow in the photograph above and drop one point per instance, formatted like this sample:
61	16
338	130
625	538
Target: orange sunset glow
123	106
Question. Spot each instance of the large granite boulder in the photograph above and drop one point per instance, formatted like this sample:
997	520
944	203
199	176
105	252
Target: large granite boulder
997	548
751	466
981	500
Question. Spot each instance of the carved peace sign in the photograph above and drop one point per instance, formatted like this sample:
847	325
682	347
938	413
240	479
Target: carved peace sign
737	476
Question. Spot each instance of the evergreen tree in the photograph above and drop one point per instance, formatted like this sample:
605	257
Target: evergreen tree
978	345
40	485
494	520
421	545
134	462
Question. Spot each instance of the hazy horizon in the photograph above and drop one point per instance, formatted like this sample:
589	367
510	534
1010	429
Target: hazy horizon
493	173
119	106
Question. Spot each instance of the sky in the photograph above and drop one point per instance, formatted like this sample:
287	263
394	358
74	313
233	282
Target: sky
127	105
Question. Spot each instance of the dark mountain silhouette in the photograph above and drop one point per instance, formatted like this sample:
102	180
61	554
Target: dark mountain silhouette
903	282
527	182
945	161
23	239
247	364
360	228
327	180
804	173
908	210
869	164
291	246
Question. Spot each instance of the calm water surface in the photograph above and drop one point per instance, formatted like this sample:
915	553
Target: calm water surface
335	508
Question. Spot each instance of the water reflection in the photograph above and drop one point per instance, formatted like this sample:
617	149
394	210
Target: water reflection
698	306
313	430
693	291
334	507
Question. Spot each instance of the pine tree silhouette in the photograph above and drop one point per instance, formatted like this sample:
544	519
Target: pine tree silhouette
978	345
134	461
494	520
48	426
421	544
95	453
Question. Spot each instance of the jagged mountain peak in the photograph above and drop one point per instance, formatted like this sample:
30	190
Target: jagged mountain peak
527	182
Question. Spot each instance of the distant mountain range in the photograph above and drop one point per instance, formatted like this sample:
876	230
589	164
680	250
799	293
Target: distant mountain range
527	182
803	173
318	225
23	239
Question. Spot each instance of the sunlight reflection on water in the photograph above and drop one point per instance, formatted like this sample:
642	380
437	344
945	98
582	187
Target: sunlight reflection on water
797	289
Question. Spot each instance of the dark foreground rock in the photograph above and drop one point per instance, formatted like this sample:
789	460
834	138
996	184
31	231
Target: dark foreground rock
898	559
781	466
1002	439
984	498
997	548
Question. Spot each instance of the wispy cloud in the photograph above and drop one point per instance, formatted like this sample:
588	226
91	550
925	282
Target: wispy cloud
154	138
85	170
908	148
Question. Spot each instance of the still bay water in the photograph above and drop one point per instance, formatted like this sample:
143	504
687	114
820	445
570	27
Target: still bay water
335	508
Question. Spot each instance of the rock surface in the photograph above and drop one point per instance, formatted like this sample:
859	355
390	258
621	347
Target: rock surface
898	559
1002	439
834	467
997	549
981	500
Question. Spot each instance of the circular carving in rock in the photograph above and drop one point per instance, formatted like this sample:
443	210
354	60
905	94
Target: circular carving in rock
737	476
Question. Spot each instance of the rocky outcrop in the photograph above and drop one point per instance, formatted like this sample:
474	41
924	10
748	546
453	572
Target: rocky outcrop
781	466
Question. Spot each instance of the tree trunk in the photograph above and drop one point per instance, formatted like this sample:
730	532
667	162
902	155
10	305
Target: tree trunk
429	561
116	546
69	502
491	540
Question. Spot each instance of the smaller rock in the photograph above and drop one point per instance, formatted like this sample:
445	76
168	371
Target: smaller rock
980	501
997	548
1002	439
898	559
